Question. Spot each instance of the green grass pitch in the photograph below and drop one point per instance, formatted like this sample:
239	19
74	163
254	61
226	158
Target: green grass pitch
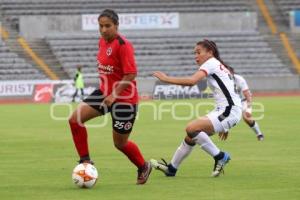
37	155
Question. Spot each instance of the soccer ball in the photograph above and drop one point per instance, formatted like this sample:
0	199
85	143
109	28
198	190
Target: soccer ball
85	175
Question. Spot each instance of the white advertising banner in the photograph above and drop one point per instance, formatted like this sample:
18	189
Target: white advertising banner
169	91
136	21
15	89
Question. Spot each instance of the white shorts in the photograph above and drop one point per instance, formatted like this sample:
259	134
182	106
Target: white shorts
222	122
245	107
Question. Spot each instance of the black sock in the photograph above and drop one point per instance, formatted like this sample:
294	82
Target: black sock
171	168
219	156
84	158
251	125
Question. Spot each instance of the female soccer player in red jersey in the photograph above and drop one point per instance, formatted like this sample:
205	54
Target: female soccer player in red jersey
117	94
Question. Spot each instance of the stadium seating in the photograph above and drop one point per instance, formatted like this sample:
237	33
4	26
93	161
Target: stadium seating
42	7
12	9
12	67
172	52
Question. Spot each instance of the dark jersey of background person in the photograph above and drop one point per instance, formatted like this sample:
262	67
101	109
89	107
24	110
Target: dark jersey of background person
116	59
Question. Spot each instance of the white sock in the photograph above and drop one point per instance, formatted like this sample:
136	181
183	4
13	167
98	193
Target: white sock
181	153
256	129
206	144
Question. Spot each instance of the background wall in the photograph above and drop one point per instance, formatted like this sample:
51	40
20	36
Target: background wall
203	22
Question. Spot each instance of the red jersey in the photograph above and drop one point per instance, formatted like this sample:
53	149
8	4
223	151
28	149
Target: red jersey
116	59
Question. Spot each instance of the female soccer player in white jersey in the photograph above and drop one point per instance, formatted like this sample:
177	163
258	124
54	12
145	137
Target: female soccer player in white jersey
227	113
246	98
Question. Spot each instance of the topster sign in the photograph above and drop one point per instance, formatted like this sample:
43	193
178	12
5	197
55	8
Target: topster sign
136	21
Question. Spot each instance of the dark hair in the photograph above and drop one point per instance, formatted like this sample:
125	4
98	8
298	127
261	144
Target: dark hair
231	69
110	14
211	46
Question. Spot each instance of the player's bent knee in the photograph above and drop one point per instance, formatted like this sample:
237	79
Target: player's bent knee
72	120
248	120
189	141
247	115
191	132
189	129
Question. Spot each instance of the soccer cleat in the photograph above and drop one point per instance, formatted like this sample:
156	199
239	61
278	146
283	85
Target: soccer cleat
260	137
220	164
164	167
143	173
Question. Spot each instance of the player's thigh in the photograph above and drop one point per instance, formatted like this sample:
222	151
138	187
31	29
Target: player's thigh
123	117
90	108
83	113
95	100
224	119
201	124
227	122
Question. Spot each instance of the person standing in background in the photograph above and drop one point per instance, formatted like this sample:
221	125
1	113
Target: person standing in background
79	84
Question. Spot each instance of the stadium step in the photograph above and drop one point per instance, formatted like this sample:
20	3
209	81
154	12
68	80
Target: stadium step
39	46
274	40
42	49
276	44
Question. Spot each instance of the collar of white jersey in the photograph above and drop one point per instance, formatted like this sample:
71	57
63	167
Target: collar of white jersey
210	60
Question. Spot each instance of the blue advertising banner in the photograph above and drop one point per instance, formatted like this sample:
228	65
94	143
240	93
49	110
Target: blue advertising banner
297	17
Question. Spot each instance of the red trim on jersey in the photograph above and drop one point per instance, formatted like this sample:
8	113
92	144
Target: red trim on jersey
204	71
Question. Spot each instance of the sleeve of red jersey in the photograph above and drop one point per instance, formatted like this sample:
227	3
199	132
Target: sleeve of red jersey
127	59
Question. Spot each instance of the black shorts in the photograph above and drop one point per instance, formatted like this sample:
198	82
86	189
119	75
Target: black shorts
122	114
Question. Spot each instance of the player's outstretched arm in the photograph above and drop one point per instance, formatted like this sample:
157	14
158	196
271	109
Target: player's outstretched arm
186	81
248	97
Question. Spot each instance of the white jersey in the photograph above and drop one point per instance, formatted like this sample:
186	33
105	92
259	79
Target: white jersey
241	85
221	83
